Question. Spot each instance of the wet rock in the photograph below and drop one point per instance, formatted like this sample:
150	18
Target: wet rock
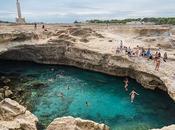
6	81
8	93
70	123
15	117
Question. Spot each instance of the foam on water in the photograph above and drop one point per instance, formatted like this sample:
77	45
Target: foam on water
107	101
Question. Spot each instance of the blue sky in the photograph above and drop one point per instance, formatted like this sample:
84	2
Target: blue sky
70	10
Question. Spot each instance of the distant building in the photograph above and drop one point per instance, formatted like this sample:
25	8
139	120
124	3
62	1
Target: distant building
19	18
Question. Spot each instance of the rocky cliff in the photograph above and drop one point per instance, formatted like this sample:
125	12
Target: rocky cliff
66	53
86	49
15	117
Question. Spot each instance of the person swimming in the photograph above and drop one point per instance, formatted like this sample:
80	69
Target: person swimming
126	84
61	95
87	104
133	94
68	87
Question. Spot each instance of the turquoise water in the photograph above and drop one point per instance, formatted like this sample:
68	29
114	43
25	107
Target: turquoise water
107	101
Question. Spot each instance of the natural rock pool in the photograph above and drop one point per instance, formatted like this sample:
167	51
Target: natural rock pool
107	101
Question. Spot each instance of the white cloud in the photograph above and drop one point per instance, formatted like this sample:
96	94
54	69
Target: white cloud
60	10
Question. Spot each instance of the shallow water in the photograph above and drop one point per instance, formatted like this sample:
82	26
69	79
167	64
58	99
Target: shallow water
107	101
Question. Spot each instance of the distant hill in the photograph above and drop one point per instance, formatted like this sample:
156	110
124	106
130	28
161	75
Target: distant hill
157	21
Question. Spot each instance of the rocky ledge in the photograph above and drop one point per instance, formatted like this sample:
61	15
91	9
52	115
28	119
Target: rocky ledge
15	117
70	123
64	52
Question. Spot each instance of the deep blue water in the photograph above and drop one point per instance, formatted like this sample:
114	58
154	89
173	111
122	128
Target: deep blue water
106	97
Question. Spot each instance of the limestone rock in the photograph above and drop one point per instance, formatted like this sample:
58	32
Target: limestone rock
1	96
16	36
8	93
70	123
6	81
171	127
15	117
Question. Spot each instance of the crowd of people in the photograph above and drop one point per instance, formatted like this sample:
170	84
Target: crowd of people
141	52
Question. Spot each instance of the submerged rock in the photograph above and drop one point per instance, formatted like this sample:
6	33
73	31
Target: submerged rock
70	123
38	85
15	117
6	81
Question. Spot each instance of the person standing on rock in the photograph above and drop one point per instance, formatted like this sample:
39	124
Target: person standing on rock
35	26
126	84
157	64
133	94
156	57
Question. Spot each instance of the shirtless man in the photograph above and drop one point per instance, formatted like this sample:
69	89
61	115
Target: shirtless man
133	94
126	84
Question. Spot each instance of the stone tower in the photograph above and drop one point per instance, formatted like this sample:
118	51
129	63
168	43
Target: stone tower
19	18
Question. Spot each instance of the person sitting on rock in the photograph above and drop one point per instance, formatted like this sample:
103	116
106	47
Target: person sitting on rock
149	54
137	51
133	94
143	51
129	51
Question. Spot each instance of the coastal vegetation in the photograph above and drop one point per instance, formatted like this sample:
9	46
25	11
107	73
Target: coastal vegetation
157	21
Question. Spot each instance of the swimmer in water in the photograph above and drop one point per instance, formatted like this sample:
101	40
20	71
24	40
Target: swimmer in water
68	87
133	94
51	80
126	84
61	95
87	104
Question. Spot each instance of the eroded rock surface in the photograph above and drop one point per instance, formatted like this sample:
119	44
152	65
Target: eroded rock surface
15	117
16	36
94	48
70	123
